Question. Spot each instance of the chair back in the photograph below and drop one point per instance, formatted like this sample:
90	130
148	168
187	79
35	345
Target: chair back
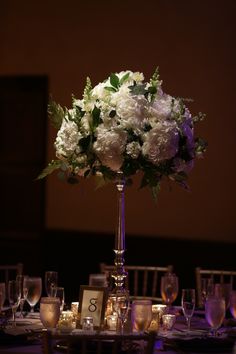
10	271
142	281
217	276
98	343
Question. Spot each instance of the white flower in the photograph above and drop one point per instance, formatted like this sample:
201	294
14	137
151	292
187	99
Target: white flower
126	124
131	110
133	149
110	146
67	138
161	142
86	122
99	91
160	109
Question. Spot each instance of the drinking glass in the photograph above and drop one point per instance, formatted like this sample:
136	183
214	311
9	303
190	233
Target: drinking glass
49	311
215	312
223	290
188	301
23	290
59	293
169	288
207	288
51	279
232	303
121	307
34	287
2	295
141	315
14	297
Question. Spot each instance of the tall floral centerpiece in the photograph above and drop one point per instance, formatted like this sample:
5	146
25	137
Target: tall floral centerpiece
121	126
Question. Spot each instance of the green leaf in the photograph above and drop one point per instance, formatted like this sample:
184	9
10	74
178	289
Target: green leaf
52	166
138	89
155	191
114	80
109	88
155	76
124	78
100	182
61	175
96	116
56	114
152	90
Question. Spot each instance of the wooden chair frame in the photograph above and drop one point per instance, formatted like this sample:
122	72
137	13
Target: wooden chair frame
99	342
138	280
222	276
8	268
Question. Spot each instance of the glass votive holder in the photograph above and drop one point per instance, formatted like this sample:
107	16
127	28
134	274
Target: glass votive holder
168	321
110	305
74	308
66	321
112	322
160	309
50	311
87	324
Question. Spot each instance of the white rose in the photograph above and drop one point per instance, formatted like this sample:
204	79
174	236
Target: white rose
160	109
161	142
110	146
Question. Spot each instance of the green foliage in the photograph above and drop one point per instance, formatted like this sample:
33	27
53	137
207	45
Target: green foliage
138	89
52	166
96	117
87	89
114	80
56	113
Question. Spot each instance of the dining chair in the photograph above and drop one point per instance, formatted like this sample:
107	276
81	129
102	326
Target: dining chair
142	281
10	271
98	343
217	276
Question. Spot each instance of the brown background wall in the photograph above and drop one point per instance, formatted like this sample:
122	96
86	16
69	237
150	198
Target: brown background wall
193	43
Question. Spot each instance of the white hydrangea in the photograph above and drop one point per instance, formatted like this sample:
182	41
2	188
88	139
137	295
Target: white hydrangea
161	142
131	110
67	138
160	109
133	119
110	146
100	93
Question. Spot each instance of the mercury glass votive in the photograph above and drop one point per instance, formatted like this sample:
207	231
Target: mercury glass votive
160	309
50	311
66	321
112	322
168	321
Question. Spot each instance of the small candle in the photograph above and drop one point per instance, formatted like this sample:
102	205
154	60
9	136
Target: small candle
74	309
112	322
66	320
